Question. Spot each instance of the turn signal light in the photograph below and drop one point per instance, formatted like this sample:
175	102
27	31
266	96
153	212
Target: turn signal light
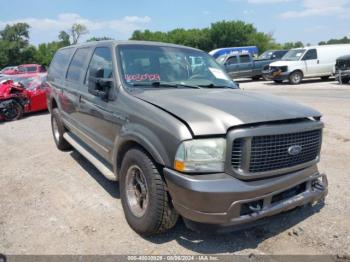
179	166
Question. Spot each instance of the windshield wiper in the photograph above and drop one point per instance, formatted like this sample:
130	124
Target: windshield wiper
216	86
163	84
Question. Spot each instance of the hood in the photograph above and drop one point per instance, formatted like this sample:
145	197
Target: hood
345	57
284	63
214	111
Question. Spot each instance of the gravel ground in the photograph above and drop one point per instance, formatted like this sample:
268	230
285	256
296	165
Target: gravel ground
57	203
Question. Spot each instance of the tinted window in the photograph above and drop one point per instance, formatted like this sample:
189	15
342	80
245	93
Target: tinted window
59	63
76	67
102	61
310	55
31	69
232	60
244	58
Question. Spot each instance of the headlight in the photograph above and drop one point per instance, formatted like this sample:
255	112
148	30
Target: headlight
201	155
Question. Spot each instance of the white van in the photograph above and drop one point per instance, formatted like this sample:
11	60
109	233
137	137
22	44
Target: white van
311	61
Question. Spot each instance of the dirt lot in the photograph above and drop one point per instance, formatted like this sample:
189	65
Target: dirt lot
57	203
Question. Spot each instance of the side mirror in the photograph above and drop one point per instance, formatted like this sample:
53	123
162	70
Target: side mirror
98	85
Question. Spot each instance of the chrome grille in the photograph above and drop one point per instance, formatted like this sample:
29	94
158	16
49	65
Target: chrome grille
236	156
269	153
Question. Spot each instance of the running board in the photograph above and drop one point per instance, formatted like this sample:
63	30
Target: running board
92	159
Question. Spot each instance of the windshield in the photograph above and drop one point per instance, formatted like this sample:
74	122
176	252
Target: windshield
266	55
143	65
293	55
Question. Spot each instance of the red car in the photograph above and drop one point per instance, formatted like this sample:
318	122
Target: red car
31	69
9	70
22	94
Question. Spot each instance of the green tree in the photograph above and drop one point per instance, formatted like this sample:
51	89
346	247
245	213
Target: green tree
76	31
64	37
18	33
231	33
290	45
14	41
344	40
219	34
28	55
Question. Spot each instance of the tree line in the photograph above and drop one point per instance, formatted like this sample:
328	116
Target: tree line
15	48
217	35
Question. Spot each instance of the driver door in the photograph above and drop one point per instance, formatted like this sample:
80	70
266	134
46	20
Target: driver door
98	115
232	67
312	63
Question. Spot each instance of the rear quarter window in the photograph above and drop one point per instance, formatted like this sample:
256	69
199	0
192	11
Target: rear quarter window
77	65
60	62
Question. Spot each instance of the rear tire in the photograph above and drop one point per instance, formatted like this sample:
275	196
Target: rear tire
146	203
295	78
58	130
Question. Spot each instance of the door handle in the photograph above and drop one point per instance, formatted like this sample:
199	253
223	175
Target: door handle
81	99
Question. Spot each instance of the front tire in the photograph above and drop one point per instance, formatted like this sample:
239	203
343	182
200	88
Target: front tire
343	80
265	77
58	130
295	78
14	111
143	194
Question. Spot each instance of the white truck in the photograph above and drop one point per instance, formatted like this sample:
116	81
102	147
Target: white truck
307	62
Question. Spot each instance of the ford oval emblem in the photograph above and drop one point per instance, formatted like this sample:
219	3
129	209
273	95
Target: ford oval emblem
294	150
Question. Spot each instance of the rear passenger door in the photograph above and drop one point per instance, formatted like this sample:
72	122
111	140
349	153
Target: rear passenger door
97	115
73	84
245	66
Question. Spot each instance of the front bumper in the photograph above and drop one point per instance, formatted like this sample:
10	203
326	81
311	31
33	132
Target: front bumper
339	74
228	201
276	75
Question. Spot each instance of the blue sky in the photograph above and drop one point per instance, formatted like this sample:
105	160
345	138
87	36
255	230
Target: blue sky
309	21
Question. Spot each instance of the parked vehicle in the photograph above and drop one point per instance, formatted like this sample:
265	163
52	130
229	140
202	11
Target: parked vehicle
9	70
307	62
181	140
244	65
31	69
252	50
20	95
342	69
